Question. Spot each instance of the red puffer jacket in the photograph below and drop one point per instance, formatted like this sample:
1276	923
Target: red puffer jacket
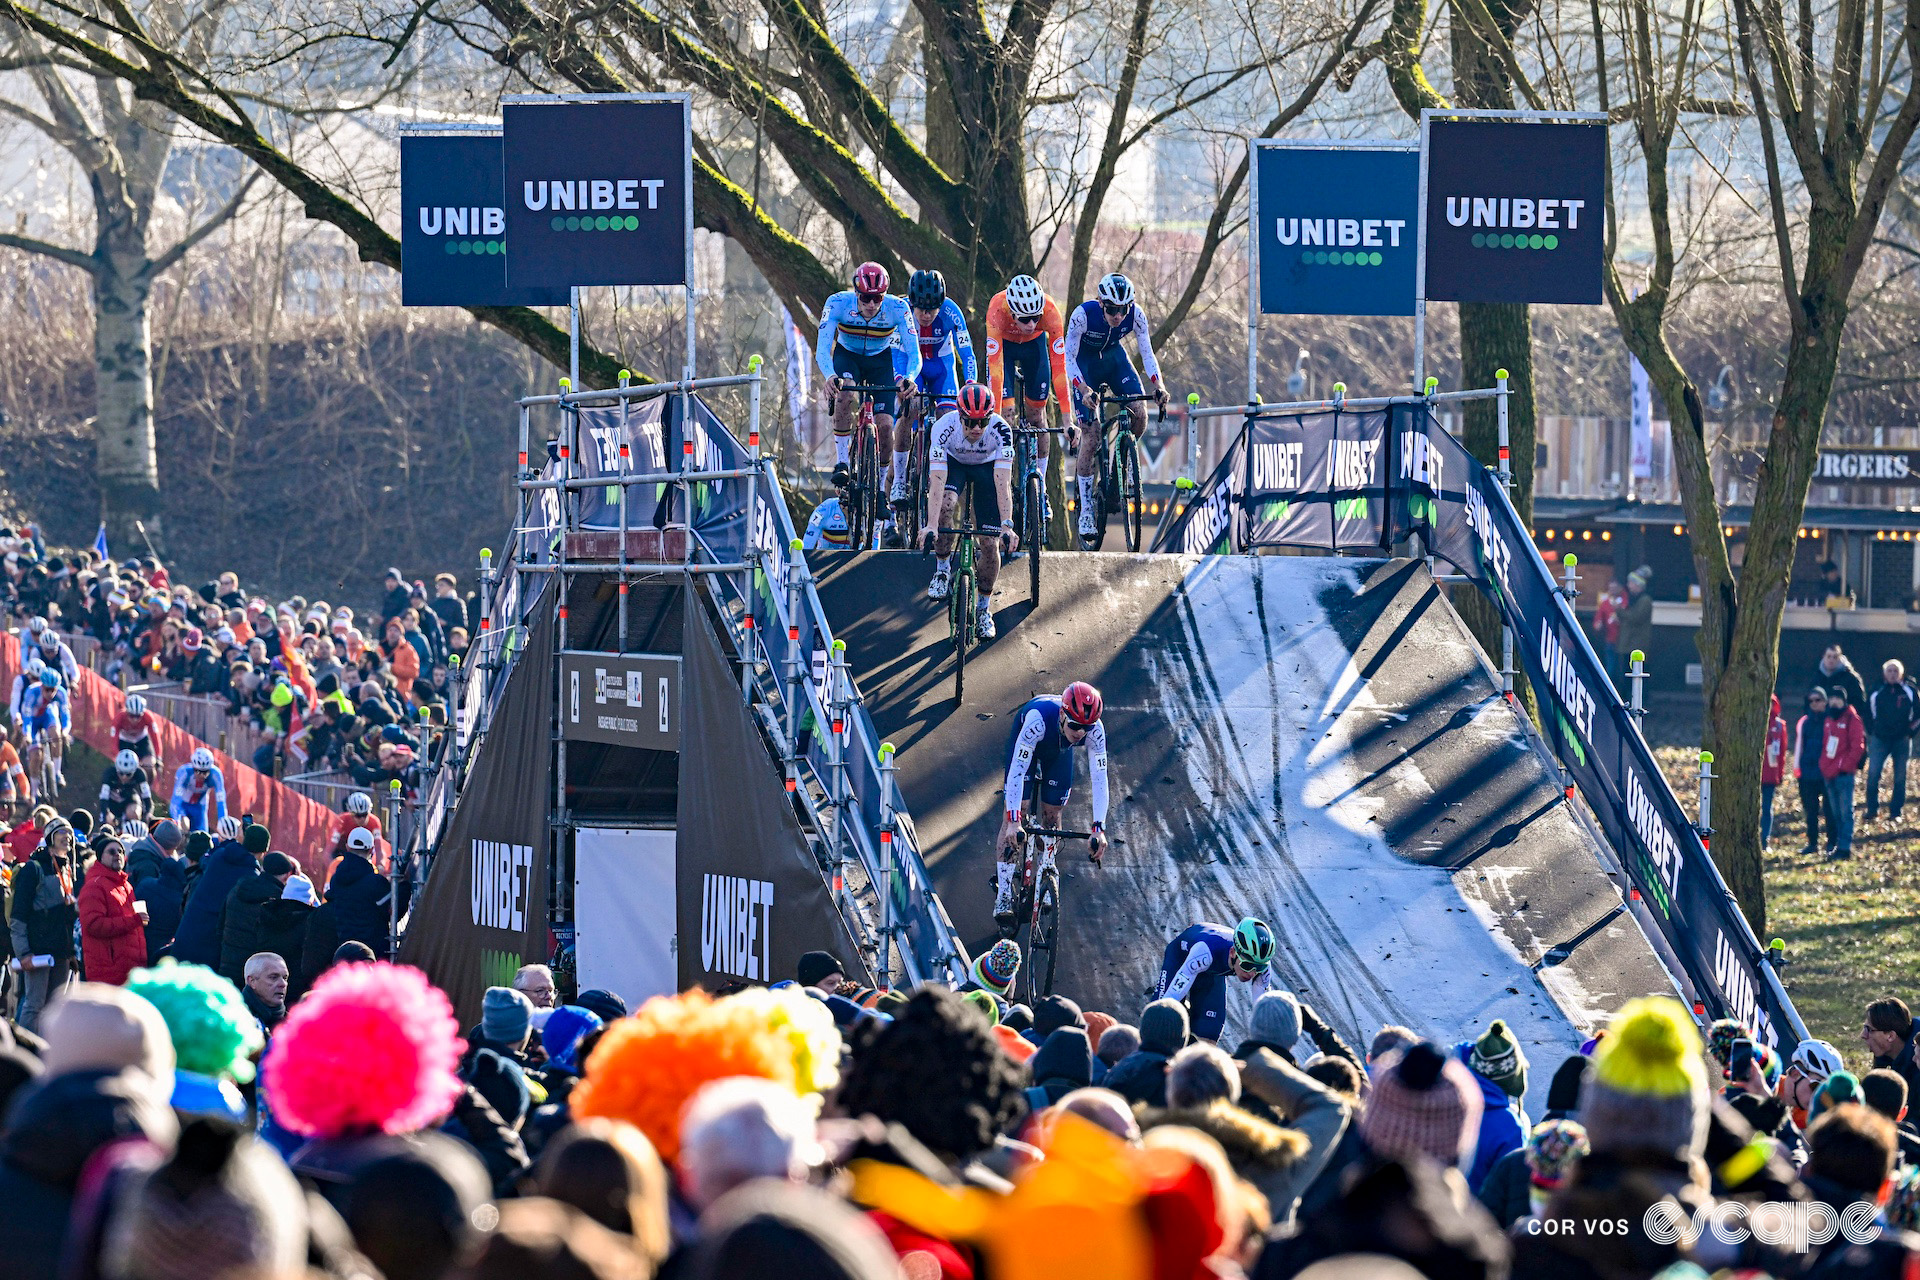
113	941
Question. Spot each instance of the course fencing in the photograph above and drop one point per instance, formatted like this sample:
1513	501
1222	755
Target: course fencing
1374	474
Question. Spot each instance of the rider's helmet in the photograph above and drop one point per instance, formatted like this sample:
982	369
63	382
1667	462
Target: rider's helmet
126	762
869	280
926	290
36	625
1082	703
49	678
228	829
136	705
1816	1060
32	667
202	760
360	804
1116	290
1024	297
1253	944
133	829
975	401
49	639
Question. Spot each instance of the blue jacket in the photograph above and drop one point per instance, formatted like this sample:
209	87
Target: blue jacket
198	938
164	890
1504	1125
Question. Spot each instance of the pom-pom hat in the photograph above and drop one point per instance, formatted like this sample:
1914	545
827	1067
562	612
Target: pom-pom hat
995	969
213	1033
1423	1103
1647	1089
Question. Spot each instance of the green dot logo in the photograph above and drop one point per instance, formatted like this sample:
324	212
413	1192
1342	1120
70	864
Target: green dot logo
453	247
1553	242
559	224
633	223
1373	259
1479	241
466	246
1537	242
494	247
573	224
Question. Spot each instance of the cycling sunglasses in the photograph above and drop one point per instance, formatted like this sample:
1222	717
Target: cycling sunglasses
1112	310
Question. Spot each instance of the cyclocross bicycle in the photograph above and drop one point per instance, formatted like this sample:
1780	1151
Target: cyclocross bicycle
1118	467
1037	896
1030	498
862	499
912	514
963	591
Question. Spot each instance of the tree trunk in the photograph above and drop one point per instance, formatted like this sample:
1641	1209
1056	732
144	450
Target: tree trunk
128	471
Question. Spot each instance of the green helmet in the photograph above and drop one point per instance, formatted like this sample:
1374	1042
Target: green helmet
1253	943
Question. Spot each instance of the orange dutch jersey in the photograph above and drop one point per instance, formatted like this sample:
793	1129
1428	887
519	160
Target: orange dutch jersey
1002	328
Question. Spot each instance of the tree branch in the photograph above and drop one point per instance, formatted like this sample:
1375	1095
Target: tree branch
59	252
164	262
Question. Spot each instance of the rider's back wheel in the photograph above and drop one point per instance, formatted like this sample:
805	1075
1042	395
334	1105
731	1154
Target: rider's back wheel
962	624
1034	530
1045	938
1126	464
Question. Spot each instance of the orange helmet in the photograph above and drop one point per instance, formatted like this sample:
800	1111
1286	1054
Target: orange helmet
1082	703
975	401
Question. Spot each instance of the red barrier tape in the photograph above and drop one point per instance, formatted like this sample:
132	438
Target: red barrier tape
299	826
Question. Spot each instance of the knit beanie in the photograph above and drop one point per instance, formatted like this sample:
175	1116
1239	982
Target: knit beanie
166	834
255	838
1423	1102
1499	1057
278	864
1276	1019
96	1027
1841	1086
1564	1093
505	1016
224	1202
566	1027
1163	1028
1647	1090
1098	1024
1551	1152
996	969
197	845
606	1005
1051	1013
815	966
212	1030
1017	1046
986	1004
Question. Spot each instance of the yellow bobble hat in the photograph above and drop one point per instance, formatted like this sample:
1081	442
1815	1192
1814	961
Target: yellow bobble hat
1647	1090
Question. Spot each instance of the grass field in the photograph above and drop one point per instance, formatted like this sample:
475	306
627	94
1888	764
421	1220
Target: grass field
1852	928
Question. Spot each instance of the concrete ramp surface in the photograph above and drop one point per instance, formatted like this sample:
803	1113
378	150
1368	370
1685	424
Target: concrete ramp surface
1317	742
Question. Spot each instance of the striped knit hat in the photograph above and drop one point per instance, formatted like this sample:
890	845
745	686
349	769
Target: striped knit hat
996	969
1647	1089
1423	1102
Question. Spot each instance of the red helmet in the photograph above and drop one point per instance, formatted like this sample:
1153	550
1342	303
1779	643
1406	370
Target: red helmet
1082	703
975	401
869	279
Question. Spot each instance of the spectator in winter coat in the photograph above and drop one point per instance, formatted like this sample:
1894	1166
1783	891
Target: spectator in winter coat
1063	1064
113	938
1773	767
230	862
1889	1035
1893	713
1606	623
265	989
145	855
1843	745
41	922
355	910
400	653
25	838
1636	621
1507	1189
1808	733
245	911
395	595
164	889
1499	1068
446	603
1835	669
1141	1076
283	928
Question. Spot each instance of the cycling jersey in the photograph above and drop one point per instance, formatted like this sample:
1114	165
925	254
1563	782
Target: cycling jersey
132	729
192	794
1090	337
13	775
64	663
1194	970
827	527
40	711
1037	745
118	794
892	327
1035	347
946	349
951	446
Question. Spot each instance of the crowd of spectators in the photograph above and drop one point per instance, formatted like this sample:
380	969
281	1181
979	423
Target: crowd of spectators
236	1117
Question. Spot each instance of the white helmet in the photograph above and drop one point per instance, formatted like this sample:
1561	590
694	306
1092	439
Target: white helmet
136	705
1116	290
134	830
1024	297
36	625
32	667
126	762
1816	1059
202	759
49	638
360	804
228	829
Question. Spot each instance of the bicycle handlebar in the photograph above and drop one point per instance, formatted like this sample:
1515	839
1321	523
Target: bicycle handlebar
871	390
1032	828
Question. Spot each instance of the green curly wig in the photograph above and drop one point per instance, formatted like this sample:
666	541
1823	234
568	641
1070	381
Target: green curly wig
213	1033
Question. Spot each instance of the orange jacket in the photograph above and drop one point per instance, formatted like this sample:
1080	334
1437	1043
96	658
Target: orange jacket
113	942
1002	328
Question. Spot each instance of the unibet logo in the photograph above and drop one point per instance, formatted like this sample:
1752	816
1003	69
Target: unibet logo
1736	980
458	222
736	927
1349	241
1567	685
502	877
1277	465
1518	222
593	204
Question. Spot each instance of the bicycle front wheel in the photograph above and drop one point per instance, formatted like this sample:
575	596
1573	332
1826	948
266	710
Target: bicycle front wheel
962	622
1127	464
870	496
1034	531
1045	938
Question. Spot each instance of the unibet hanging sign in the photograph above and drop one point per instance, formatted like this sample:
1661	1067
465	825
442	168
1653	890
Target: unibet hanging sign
597	191
1514	211
453	242
1337	228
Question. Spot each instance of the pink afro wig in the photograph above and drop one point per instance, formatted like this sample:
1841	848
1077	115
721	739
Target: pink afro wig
373	1048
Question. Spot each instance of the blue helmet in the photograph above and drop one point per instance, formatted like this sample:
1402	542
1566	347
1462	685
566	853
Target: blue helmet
49	678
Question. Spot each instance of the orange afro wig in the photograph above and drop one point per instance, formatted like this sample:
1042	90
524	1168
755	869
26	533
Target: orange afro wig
647	1066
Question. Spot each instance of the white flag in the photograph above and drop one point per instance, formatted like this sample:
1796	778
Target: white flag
799	393
1642	420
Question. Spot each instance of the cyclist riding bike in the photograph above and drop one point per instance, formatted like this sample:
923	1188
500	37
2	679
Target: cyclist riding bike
1198	962
126	789
1096	361
1026	338
827	527
57	654
133	728
28	678
46	718
15	790
860	329
199	793
946	360
1040	751
971	448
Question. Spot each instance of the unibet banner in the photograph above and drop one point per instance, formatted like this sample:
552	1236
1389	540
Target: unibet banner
597	192
453	225
1515	212
1338	229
